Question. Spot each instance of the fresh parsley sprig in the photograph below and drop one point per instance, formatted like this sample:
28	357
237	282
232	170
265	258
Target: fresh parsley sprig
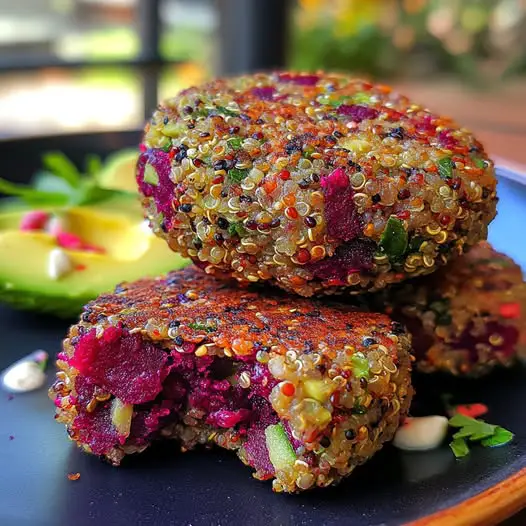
61	184
476	430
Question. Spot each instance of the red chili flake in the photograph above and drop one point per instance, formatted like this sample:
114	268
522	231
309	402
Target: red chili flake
80	268
73	476
291	212
472	410
404	193
269	185
418	179
142	147
288	389
284	175
510	310
444	219
218	180
252	259
404	214
303	255
171	154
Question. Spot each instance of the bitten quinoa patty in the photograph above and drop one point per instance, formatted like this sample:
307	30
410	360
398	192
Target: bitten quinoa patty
302	391
466	318
317	183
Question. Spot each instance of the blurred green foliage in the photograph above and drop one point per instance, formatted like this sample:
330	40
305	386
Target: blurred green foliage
470	39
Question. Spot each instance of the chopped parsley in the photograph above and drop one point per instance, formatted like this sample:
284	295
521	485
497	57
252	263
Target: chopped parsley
476	430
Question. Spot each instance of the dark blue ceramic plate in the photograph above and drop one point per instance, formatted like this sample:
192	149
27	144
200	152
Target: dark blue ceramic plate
163	487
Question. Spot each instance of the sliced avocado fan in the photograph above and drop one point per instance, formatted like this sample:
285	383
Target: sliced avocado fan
116	246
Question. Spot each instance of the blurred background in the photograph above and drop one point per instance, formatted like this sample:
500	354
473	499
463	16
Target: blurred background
96	65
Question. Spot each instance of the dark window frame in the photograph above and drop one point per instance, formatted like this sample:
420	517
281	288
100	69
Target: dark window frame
252	36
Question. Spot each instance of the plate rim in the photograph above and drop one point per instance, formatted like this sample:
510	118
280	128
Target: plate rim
491	506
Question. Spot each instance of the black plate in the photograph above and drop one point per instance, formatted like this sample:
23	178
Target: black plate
201	488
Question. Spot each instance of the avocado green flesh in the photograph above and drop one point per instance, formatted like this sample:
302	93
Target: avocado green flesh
280	449
119	171
130	253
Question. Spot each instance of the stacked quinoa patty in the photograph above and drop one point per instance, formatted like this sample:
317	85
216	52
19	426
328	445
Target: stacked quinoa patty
466	318
302	390
316	183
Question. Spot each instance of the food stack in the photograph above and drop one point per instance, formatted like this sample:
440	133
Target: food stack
327	219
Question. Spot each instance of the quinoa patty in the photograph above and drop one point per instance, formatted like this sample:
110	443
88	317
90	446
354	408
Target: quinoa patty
466	318
318	183
303	391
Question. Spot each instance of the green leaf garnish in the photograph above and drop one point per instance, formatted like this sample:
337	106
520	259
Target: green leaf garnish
93	164
445	168
459	447
394	238
237	175
58	164
476	430
61	185
32	196
500	437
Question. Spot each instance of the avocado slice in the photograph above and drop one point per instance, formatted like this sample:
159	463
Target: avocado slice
280	450
131	252
118	172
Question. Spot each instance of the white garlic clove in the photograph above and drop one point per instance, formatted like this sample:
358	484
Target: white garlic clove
23	376
59	264
421	433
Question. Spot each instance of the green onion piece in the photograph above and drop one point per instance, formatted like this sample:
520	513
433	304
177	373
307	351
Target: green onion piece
393	241
445	168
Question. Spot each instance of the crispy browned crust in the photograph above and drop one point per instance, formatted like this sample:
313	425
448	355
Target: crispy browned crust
190	296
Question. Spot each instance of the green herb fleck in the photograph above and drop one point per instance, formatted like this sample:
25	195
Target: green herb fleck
359	409
226	111
394	238
150	175
476	430
199	326
237	229
479	163
308	151
415	243
235	143
360	365
237	175
445	168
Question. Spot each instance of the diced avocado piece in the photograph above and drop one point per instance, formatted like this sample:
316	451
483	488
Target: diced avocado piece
280	449
118	172
121	416
130	252
320	390
150	175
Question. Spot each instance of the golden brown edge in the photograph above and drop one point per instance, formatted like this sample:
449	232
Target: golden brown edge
485	509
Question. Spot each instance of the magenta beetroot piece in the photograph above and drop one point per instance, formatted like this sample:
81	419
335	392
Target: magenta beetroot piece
281	382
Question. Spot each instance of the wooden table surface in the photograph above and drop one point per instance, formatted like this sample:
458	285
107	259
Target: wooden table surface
496	115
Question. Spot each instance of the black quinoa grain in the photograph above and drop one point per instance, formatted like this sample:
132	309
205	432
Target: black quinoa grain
223	223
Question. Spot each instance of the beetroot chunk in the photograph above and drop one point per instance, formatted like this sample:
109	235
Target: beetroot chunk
343	220
264	93
357	112
163	191
117	358
355	256
301	80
